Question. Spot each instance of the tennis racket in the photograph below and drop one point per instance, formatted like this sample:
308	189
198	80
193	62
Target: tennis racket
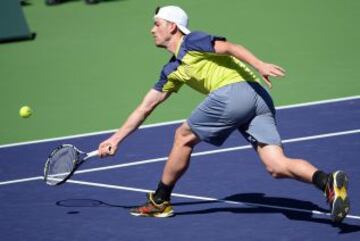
63	162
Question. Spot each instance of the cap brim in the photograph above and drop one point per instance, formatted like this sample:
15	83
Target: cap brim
183	29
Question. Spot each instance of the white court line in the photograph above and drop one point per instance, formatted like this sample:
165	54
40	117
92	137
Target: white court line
320	102
171	123
203	198
21	180
202	153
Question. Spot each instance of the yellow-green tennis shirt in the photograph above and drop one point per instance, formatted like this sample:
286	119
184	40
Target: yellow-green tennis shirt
196	64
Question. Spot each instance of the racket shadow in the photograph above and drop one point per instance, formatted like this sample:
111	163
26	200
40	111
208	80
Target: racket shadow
88	203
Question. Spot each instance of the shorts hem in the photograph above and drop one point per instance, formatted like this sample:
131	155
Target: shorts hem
213	141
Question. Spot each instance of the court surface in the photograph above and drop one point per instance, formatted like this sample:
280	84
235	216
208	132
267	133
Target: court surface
225	195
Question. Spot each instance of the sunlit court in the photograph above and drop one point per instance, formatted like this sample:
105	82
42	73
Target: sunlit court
73	72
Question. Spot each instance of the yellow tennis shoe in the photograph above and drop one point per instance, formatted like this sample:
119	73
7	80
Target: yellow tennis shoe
153	209
336	195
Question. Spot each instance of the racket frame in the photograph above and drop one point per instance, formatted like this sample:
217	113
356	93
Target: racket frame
78	161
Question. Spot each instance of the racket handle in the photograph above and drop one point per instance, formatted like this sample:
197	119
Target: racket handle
92	154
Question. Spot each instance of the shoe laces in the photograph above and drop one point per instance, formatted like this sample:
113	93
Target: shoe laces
147	207
330	193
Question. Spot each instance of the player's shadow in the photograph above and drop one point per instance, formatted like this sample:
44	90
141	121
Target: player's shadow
259	203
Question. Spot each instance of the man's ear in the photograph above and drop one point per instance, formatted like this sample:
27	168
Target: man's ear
173	28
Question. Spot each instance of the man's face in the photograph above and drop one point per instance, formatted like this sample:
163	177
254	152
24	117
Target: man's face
161	32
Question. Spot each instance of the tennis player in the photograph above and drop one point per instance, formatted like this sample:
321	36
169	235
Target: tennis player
235	101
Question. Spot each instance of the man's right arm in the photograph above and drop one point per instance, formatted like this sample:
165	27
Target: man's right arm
151	100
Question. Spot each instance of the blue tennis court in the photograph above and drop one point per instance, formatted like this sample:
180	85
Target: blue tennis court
225	195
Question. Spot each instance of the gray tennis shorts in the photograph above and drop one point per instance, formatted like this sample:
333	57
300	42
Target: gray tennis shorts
244	106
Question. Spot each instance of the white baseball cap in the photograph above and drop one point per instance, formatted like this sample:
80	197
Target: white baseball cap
175	15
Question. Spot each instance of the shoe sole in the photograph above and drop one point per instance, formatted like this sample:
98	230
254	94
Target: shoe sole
341	203
156	215
164	215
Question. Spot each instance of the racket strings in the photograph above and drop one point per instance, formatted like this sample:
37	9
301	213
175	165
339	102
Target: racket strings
60	165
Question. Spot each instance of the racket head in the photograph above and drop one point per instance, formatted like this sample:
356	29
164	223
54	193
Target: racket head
61	164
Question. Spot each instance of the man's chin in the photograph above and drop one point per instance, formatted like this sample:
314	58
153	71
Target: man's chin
159	45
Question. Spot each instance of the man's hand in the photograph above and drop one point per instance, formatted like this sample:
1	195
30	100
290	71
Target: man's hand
270	70
108	148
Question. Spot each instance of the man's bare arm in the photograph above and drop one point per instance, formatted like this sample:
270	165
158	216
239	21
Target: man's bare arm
243	54
151	100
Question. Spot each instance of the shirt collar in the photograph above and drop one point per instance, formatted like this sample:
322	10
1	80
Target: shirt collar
178	46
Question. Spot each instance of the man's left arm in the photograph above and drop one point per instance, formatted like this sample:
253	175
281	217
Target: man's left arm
243	54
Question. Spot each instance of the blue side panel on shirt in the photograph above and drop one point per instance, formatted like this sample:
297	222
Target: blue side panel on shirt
170	67
198	41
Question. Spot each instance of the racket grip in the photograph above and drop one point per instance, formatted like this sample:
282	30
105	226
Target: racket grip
92	154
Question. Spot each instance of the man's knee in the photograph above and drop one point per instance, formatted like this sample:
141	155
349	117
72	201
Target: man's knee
276	163
185	136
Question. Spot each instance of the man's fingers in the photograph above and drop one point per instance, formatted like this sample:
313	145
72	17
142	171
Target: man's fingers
279	68
267	81
106	149
110	150
272	70
276	72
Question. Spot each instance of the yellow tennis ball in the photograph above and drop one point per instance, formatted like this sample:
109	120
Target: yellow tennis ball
25	112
